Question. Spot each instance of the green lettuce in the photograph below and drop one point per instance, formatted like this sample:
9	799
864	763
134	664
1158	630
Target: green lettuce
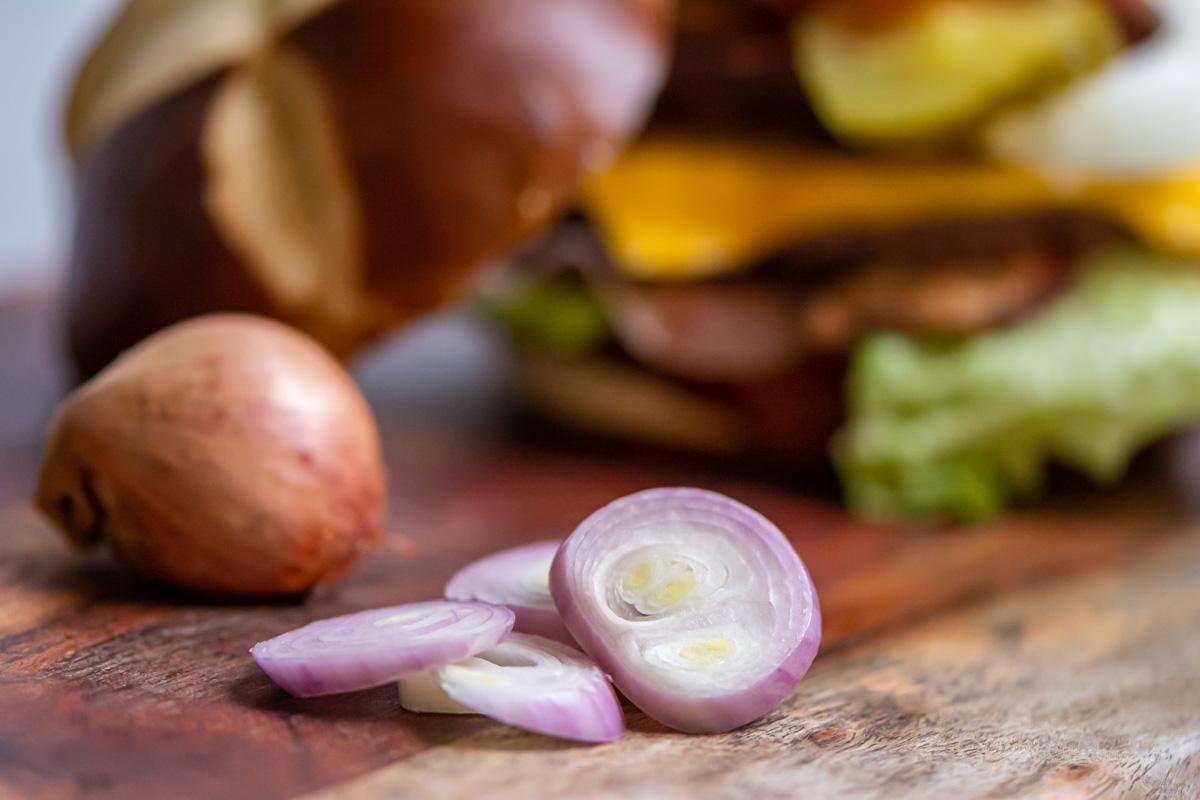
959	430
556	315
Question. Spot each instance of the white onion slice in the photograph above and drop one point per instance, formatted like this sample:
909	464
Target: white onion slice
696	605
518	578
526	681
1137	116
371	648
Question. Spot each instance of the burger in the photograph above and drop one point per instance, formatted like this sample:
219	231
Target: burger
944	243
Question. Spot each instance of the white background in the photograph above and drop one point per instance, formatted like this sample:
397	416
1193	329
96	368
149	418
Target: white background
40	43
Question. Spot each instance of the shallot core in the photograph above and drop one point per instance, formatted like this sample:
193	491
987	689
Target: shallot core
696	605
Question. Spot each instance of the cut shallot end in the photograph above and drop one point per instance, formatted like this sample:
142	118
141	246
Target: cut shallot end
423	693
696	606
371	648
518	578
529	682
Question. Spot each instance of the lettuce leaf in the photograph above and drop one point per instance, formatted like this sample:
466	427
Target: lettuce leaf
559	316
961	430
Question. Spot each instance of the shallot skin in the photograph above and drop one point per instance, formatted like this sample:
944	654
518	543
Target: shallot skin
228	454
705	709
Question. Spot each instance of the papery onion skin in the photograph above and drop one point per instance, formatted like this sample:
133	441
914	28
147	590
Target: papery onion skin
581	706
497	578
370	648
228	454
711	712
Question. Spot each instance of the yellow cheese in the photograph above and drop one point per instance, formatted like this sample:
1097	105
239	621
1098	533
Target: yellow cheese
682	209
1166	212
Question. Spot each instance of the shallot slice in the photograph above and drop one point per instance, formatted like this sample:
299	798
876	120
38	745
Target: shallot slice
696	605
518	578
371	648
526	681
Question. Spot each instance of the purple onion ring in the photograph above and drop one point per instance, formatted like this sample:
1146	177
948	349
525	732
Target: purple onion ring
371	648
518	578
696	606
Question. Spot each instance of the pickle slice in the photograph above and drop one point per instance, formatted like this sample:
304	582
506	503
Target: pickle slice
947	65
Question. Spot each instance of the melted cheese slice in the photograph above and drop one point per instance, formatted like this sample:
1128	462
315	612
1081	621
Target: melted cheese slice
683	209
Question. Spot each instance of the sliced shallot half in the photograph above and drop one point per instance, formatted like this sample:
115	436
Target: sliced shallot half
526	681
520	579
696	605
371	648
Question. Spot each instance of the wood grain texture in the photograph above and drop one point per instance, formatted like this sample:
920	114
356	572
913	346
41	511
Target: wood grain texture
1020	699
110	687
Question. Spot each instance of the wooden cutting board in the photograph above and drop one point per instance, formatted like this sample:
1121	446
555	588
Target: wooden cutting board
1053	654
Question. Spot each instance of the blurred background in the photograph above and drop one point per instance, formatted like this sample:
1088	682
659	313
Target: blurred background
940	246
42	44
